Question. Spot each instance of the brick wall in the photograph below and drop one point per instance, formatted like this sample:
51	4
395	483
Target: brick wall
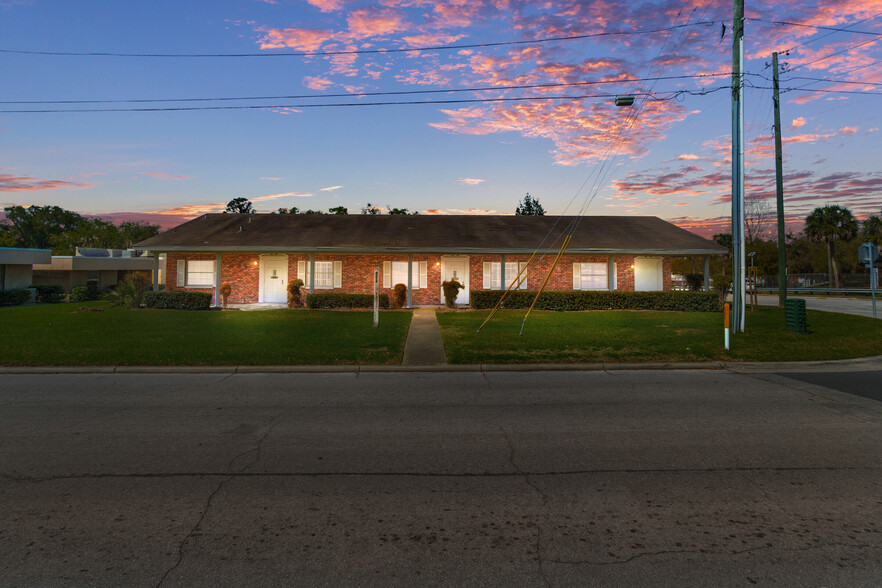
242	272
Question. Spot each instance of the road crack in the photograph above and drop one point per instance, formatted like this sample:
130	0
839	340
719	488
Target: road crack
186	541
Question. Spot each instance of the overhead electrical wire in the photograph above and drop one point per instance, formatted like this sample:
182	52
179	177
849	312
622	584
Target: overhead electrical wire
355	51
820	27
363	94
671	95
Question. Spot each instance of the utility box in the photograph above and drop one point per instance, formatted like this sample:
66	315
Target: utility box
794	312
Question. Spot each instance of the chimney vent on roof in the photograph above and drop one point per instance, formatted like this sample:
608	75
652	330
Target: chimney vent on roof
249	219
241	228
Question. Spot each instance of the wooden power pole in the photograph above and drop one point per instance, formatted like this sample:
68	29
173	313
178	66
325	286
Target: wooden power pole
739	277
779	186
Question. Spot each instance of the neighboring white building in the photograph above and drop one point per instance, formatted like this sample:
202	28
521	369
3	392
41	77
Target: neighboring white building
16	266
102	268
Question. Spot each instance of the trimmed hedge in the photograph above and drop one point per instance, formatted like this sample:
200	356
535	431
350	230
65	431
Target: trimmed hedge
342	300
85	293
14	297
172	300
51	294
599	300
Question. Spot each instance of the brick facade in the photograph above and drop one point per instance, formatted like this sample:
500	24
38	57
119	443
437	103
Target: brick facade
242	272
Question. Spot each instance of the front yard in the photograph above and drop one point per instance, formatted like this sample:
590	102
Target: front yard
54	334
649	336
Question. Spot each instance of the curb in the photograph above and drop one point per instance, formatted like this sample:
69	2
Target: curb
859	364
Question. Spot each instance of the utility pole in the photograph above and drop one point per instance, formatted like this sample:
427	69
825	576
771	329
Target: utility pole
779	186
738	258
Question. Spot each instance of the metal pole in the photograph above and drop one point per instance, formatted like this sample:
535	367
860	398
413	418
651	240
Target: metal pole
779	186
376	296
874	277
738	252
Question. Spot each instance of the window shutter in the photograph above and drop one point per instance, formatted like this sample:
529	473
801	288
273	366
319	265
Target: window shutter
522	268
214	273
387	274
424	275
301	272
182	272
577	276
488	276
338	274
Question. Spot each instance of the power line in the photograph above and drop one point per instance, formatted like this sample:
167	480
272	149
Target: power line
834	29
365	94
840	52
355	51
650	96
834	81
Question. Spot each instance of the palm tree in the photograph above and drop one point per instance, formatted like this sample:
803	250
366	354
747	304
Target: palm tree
829	224
871	229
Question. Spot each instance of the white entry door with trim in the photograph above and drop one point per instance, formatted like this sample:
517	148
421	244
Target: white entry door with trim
456	268
273	278
648	274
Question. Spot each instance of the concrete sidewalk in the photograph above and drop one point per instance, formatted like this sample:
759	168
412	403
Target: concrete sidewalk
861	306
423	346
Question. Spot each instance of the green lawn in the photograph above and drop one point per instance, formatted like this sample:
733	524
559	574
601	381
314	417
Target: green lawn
56	335
642	336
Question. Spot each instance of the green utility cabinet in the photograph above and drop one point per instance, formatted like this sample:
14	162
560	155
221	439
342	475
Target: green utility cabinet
794	312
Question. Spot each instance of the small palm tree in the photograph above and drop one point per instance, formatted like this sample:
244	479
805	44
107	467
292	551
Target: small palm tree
871	230
829	224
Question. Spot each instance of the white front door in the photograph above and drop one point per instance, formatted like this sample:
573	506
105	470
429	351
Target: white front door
648	274
456	268
273	279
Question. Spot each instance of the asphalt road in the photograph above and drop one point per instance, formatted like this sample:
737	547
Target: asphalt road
569	478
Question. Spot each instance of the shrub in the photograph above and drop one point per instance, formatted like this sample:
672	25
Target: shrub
14	297
85	293
342	300
598	300
399	295
225	291
130	291
51	294
695	282
451	289
174	300
722	286
294	299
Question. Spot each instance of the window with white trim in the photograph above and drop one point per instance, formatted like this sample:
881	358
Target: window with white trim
328	274
196	273
395	272
493	275
591	276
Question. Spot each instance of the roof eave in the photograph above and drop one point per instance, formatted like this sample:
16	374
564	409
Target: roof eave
425	250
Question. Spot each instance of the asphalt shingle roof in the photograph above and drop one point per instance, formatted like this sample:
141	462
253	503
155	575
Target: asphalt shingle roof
467	233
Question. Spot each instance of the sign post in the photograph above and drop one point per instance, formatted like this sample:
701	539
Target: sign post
868	254
376	296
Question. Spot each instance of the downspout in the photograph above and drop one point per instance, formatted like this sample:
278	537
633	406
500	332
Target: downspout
409	280
312	273
217	280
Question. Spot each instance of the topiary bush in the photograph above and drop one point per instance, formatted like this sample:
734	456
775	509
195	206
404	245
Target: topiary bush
130	291
598	300
14	297
451	290
225	291
175	300
85	293
343	300
51	294
399	295
294	298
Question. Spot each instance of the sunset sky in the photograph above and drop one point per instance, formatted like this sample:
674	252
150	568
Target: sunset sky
668	156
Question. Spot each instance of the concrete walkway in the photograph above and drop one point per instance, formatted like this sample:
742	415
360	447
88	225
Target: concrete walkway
423	345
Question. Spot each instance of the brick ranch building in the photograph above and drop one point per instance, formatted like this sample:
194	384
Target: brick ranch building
258	254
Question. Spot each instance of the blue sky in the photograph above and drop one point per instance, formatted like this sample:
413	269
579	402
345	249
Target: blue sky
667	157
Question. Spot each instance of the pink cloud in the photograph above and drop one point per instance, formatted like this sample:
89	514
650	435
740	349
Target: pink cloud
470	181
316	83
12	183
307	40
798	122
364	23
327	5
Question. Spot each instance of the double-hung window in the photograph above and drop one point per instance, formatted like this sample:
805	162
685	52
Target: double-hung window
196	273
395	272
591	276
493	275
328	274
